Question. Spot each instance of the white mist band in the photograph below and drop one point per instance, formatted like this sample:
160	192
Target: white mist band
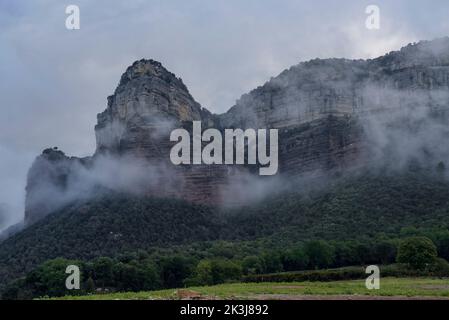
254	142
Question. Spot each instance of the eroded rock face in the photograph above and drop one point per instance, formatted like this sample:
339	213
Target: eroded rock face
323	108
327	113
147	104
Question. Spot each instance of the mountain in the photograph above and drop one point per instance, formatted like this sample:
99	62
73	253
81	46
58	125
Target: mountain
332	114
362	154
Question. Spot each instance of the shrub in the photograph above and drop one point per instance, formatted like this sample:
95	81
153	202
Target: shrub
311	275
439	267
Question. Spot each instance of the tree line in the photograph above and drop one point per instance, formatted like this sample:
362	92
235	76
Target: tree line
226	261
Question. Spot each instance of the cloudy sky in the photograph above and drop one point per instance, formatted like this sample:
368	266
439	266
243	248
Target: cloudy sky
54	81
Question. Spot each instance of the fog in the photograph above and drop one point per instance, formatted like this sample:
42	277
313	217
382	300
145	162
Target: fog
83	179
413	126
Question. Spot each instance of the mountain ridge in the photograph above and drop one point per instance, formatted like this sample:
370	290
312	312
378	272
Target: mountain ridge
328	112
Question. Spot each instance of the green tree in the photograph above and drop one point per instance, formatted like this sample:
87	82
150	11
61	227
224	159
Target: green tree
130	277
151	276
215	271
320	253
50	277
346	254
224	269
271	261
102	269
295	259
441	240
385	252
364	253
203	274
90	285
175	270
417	252
252	265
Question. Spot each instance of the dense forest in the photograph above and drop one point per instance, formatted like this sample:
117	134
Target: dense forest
132	243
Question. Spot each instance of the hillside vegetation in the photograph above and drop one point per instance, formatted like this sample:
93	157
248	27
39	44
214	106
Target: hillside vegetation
355	220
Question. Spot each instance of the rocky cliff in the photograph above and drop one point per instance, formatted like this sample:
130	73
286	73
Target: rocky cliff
331	114
147	103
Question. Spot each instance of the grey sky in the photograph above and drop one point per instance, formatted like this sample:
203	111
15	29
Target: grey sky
54	81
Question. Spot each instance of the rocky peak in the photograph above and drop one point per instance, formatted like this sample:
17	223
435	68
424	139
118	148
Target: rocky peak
53	154
149	68
147	103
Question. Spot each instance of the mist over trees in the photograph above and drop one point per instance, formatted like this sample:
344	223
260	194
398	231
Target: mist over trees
358	221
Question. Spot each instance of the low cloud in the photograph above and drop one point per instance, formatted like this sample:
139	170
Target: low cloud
59	183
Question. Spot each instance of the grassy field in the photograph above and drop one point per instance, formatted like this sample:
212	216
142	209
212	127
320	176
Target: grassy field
396	288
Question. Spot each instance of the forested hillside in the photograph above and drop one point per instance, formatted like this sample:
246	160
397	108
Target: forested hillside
361	208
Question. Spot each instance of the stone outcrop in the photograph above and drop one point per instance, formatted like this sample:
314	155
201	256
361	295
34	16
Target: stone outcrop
148	102
318	106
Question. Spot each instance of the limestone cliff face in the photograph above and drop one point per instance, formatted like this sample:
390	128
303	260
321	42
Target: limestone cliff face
147	103
320	108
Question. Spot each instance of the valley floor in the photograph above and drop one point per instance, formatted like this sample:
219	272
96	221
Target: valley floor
390	288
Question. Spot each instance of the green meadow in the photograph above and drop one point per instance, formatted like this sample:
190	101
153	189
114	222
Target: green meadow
396	288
